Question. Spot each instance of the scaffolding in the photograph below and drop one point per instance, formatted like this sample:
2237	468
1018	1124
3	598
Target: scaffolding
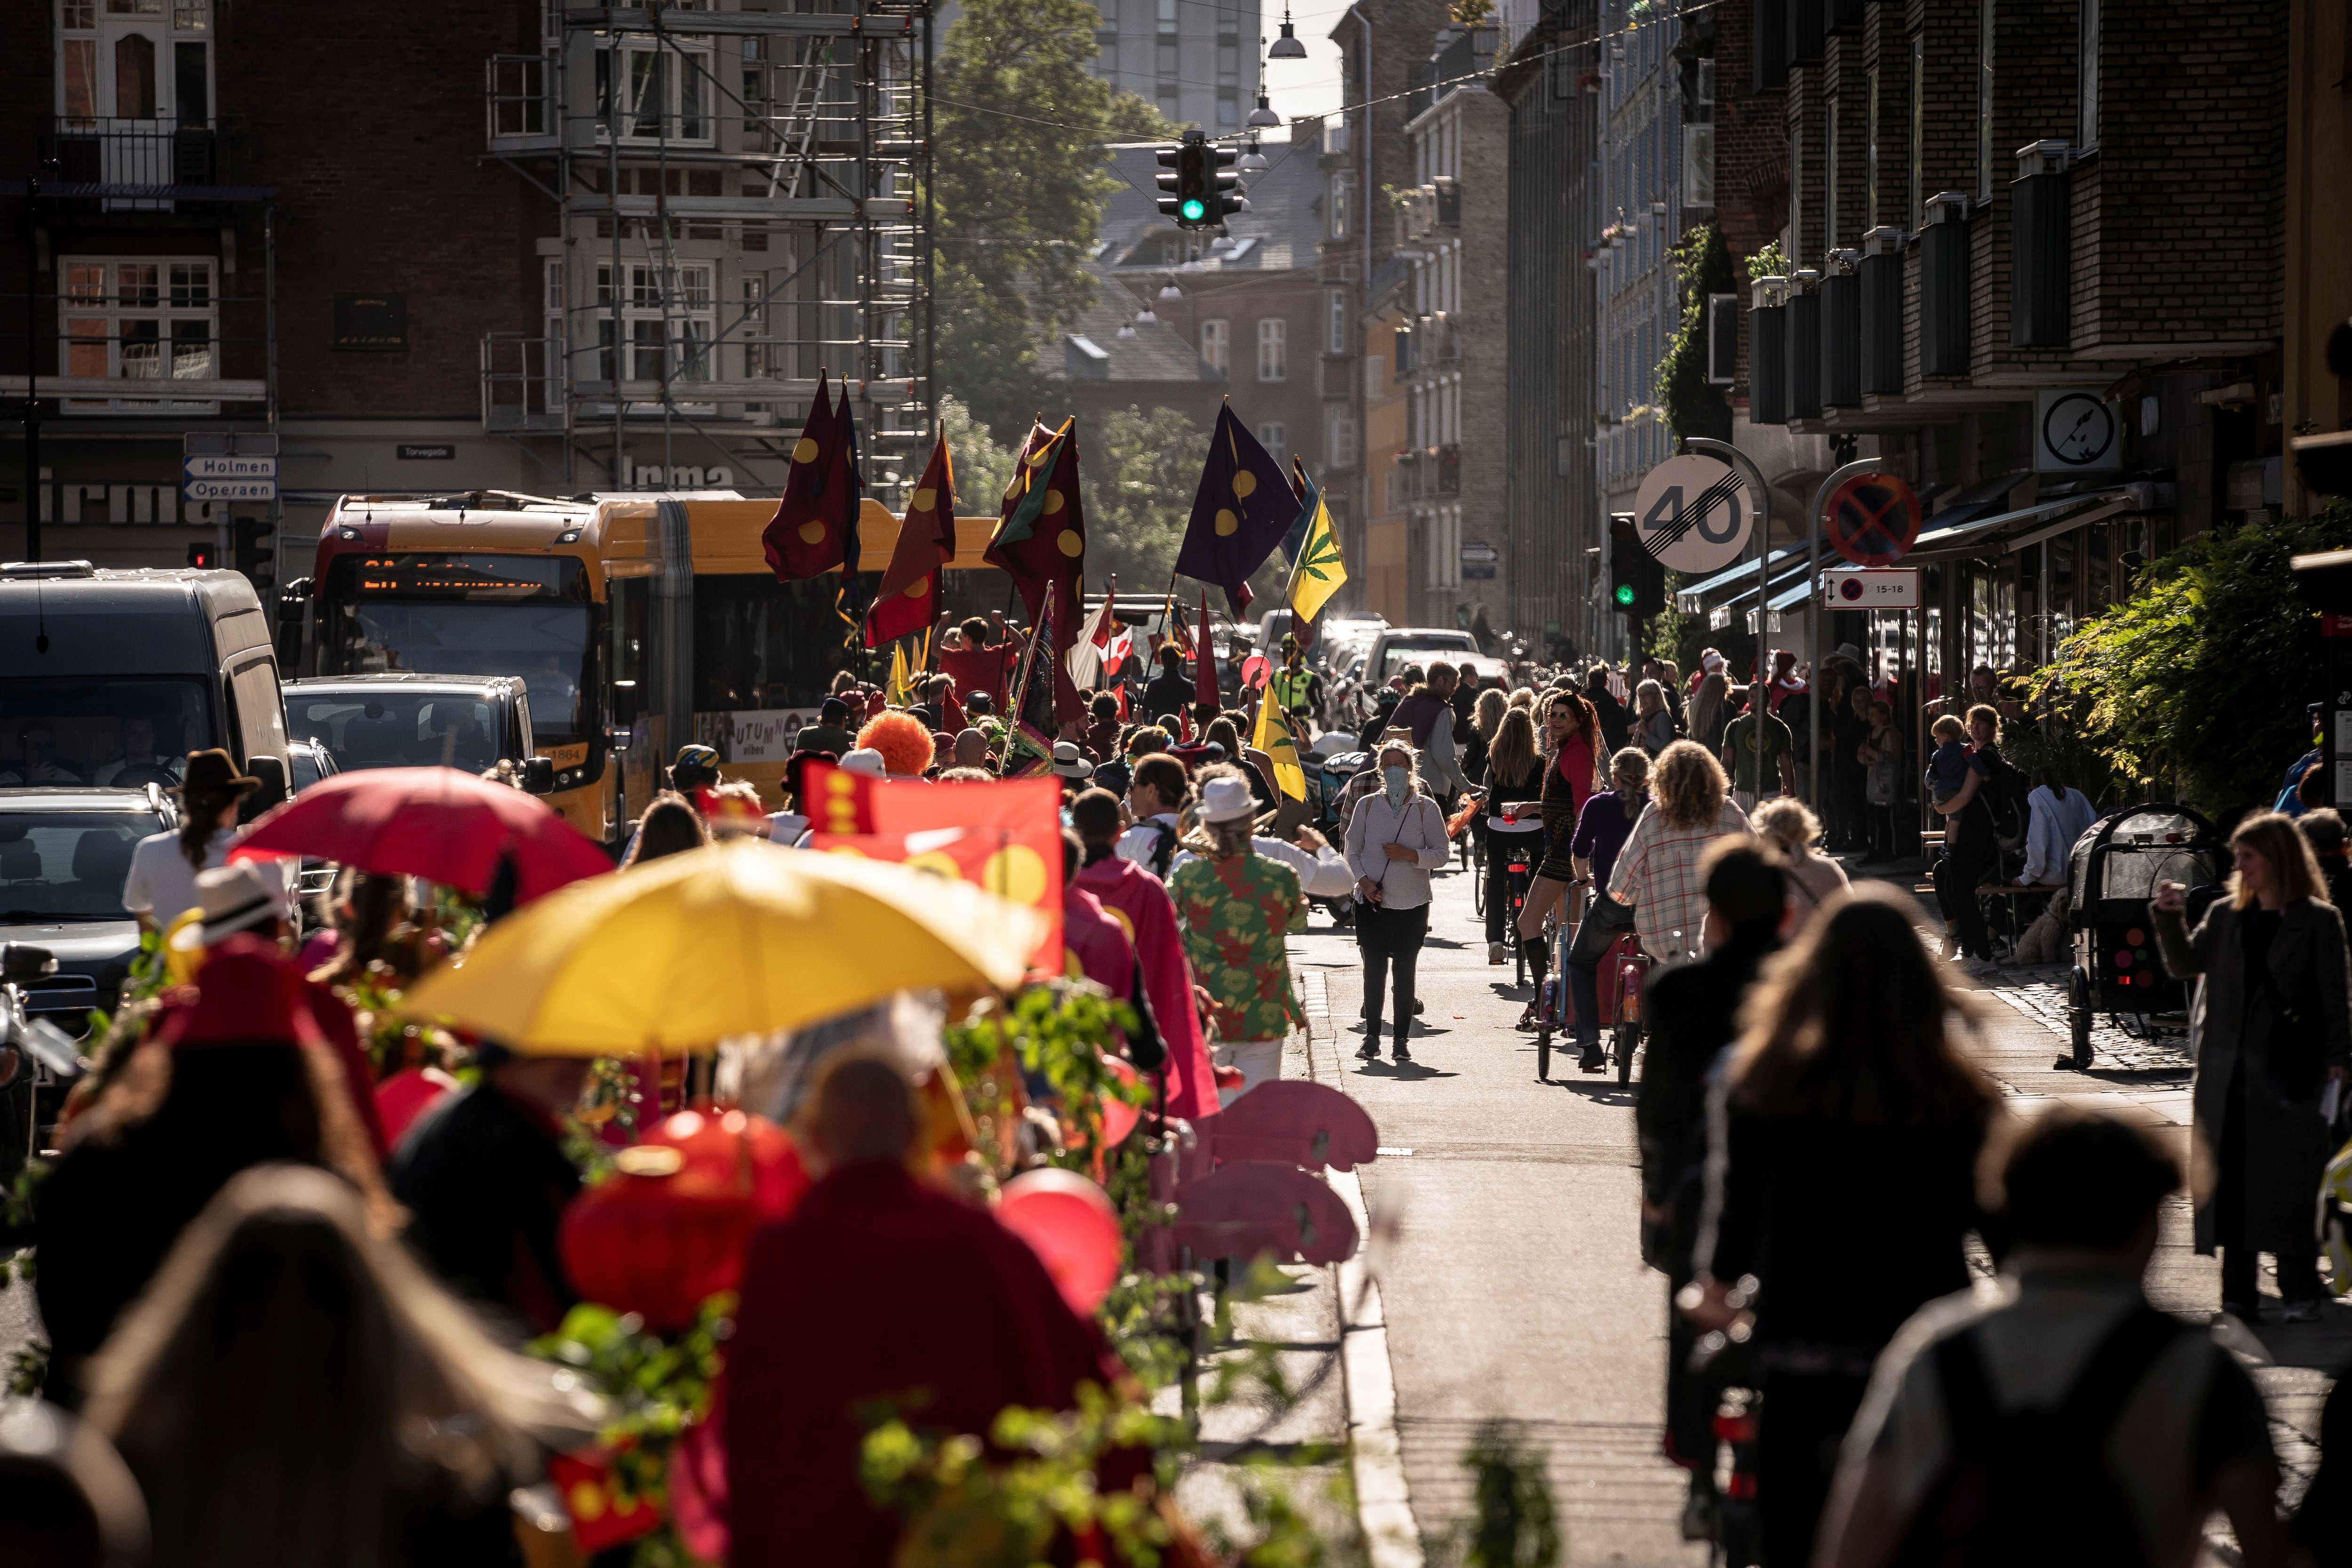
743	201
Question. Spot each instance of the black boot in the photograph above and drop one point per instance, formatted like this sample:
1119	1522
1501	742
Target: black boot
1397	1051
1370	1049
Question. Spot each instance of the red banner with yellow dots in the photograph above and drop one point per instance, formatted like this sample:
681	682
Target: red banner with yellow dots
904	604
1005	836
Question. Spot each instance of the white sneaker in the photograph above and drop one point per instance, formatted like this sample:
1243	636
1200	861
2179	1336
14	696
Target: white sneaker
1497	954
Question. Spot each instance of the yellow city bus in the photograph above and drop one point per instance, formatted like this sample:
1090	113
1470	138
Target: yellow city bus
637	622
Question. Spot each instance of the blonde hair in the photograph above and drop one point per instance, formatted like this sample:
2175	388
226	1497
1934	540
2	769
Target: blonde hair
1492	706
1630	766
1707	703
1511	756
1689	785
1948	729
2274	837
1523	697
1649	697
292	1384
1787	823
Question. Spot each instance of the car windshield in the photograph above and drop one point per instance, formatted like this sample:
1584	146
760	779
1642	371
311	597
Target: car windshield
466	615
67	865
1396	656
121	731
396	728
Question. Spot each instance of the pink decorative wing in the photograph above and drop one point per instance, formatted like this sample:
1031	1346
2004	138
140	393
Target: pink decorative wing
1290	1121
1244	1210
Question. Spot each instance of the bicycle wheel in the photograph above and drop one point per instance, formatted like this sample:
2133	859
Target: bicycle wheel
1478	885
1628	1038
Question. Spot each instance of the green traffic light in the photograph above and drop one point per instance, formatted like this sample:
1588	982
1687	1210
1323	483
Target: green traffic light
1192	209
1626	594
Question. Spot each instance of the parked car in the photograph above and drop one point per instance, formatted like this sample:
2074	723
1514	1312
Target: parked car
114	677
469	722
312	762
65	853
1396	649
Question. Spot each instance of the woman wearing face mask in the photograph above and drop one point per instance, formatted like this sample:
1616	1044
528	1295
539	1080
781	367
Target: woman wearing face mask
1396	837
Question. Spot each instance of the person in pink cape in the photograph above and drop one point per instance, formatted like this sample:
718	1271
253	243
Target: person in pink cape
1136	897
1098	945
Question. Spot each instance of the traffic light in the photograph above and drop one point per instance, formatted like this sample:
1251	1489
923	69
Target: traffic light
204	556
1202	185
1637	582
257	550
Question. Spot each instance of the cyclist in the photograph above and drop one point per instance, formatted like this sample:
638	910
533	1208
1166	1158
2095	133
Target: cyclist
1601	830
1515	774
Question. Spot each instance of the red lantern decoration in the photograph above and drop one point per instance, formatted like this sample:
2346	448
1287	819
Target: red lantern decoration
668	1228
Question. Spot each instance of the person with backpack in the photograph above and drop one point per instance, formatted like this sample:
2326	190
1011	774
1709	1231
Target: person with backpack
1840	1184
1155	795
1983	814
2065	1421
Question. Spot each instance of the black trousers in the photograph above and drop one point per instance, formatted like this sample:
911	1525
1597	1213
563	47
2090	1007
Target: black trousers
2298	1273
1957	873
1501	918
1390	940
1797	1441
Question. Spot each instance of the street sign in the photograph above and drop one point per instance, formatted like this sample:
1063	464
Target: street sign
197	466
1479	560
1872	519
229	489
2075	432
1872	588
1693	513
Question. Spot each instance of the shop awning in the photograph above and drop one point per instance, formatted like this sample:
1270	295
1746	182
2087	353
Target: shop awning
1710	591
2004	533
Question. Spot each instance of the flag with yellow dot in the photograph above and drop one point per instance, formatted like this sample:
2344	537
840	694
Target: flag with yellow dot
909	595
1041	541
1241	511
815	529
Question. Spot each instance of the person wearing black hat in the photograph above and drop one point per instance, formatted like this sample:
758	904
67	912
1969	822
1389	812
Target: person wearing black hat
162	883
831	732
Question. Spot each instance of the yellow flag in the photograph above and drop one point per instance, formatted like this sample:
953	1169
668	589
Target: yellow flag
1272	737
900	693
1319	571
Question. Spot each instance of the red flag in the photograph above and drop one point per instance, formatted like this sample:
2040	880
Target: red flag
815	526
1004	836
909	595
1041	541
1204	663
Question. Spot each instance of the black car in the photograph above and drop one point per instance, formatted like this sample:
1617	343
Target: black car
64	856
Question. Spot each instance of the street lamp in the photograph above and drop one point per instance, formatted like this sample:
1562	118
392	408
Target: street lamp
1169	291
1253	161
1144	317
1261	118
1287	46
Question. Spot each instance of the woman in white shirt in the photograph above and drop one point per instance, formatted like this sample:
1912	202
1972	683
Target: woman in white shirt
162	882
1396	837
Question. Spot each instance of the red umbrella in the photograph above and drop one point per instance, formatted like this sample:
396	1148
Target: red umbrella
434	823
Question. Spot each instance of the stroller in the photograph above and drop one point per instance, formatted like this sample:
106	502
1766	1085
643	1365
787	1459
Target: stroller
2110	877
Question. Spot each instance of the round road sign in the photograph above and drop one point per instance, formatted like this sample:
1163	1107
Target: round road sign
1693	513
1872	519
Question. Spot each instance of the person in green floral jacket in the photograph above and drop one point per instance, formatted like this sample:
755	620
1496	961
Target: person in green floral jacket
1236	905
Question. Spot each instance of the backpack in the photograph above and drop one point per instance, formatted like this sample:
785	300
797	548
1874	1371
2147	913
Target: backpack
2006	799
2026	1489
1163	849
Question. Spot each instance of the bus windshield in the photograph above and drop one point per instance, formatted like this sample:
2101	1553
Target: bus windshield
524	616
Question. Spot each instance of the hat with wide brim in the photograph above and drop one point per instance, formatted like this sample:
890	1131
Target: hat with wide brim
1226	800
234	897
214	772
1069	762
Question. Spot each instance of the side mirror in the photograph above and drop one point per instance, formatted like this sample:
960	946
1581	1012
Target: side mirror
271	771
539	775
21	963
625	701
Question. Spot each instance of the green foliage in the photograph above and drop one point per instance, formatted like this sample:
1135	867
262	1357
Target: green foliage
1681	637
1018	189
28	1369
2052	733
1692	406
1769	261
1513	1524
998	1503
983	468
1140	470
1471	13
2198	683
654	1388
1058	1031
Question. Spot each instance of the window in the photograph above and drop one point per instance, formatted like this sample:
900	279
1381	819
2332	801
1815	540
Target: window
1796	198
1870	154
1338	201
1167	15
1984	101
1273	344
1918	130
1830	182
1339	429
138	321
1336	313
559	334
667	314
1217	347
128	65
2087	133
1443	534
654	92
1276	440
755	326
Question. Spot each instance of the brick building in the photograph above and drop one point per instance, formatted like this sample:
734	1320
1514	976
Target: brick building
527	251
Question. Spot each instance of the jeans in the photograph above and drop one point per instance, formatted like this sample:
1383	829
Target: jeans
1968	855
1391	941
1601	924
1500	849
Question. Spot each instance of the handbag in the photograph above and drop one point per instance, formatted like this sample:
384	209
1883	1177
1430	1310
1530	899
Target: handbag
1879	790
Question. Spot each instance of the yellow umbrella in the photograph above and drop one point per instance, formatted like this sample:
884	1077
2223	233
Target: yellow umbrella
735	938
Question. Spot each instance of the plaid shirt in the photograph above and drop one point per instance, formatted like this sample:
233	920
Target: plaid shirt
1657	873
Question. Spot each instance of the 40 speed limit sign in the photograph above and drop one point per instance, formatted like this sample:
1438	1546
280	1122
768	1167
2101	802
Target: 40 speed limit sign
1693	513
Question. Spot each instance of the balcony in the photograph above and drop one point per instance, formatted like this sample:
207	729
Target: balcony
518	96
136	164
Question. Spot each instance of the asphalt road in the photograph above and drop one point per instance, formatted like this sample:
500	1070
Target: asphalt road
1509	1269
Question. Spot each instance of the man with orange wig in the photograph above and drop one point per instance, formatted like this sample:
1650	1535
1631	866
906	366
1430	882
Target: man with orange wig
904	741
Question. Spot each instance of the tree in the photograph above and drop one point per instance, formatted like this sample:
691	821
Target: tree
983	468
2202	676
1140	470
1018	186
1694	405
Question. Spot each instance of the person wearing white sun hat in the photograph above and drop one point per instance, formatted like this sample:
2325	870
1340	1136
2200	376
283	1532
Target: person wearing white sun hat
1236	907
